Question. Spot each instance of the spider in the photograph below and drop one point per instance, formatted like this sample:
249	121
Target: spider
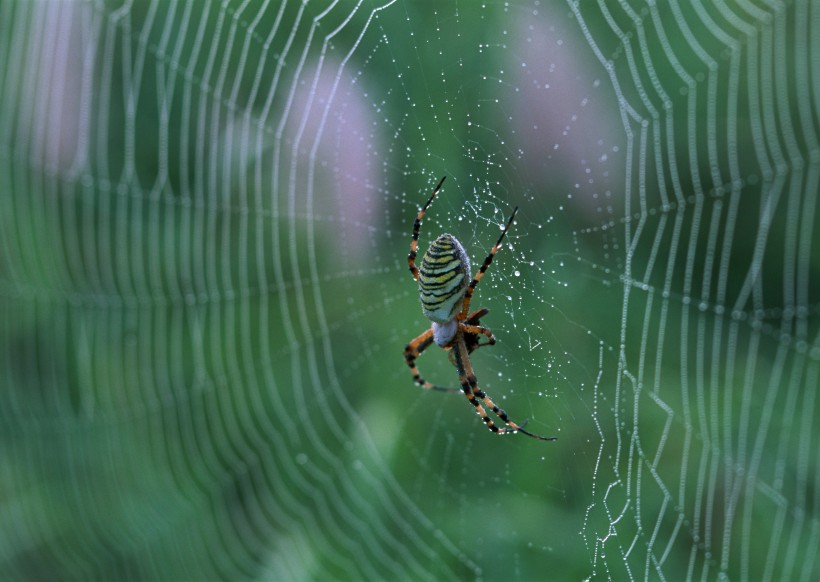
445	300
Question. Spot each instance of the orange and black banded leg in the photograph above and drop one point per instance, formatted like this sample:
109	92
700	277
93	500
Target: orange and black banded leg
478	330
414	244
472	340
412	351
475	317
466	379
470	387
468	295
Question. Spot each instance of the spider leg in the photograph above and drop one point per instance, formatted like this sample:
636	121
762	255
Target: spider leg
472	335
468	295
467	380
472	340
469	385
414	244
475	317
477	329
412	351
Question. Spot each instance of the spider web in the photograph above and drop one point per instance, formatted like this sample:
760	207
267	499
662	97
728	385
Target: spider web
205	218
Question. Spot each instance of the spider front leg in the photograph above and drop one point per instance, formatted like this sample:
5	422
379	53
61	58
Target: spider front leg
414	242
468	295
412	351
469	385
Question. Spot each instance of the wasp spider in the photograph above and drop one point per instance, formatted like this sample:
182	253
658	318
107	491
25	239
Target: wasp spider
445	300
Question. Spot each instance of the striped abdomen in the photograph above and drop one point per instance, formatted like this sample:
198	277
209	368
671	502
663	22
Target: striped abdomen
443	277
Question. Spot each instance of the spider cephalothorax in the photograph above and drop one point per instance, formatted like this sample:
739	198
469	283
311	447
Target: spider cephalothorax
445	295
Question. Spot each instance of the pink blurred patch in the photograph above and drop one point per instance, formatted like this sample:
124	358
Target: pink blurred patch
570	132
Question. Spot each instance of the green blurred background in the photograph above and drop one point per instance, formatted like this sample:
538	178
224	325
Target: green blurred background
205	213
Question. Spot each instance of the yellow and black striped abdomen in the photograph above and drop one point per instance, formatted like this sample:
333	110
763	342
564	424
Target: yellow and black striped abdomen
444	274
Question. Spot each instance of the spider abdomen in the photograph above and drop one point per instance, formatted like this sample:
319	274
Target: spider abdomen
443	277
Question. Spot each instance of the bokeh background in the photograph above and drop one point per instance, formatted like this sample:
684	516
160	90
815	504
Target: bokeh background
205	213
